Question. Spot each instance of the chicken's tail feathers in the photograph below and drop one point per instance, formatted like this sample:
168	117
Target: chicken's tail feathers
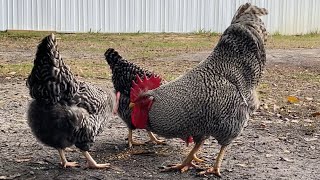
47	51
112	56
50	79
248	8
249	16
53	123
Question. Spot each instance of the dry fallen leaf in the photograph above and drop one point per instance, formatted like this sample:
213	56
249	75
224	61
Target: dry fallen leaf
292	99
310	139
315	114
23	160
275	108
286	159
12	73
309	99
268	155
242	165
262	125
13	176
308	120
286	151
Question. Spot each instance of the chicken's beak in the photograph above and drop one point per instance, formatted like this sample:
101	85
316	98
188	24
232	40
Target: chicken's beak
131	105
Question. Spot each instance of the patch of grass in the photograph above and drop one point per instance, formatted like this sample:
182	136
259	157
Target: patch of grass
277	33
89	69
85	69
100	70
140	45
23	34
137	47
19	69
207	32
278	41
313	33
305	76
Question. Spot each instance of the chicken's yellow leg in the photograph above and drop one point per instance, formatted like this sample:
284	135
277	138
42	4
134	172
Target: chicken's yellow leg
64	161
130	140
216	167
154	139
91	163
187	163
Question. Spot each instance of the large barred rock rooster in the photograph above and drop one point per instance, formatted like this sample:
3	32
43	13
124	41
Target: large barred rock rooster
123	73
65	111
213	99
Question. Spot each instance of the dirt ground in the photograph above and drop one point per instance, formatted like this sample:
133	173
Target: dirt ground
281	140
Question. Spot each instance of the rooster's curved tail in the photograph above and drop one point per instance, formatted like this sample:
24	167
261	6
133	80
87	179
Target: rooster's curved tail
248	15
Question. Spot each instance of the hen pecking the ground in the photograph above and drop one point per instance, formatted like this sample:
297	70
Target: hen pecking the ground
65	111
123	73
213	99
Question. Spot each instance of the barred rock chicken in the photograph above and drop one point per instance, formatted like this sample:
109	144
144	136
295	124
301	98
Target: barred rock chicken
213	99
65	111
123	73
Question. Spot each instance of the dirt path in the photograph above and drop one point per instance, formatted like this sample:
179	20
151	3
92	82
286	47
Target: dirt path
281	141
304	57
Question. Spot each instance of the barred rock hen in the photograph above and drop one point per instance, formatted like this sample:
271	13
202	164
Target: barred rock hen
213	99
123	73
65	111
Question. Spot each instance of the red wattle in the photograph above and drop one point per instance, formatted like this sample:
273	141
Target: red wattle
140	115
142	104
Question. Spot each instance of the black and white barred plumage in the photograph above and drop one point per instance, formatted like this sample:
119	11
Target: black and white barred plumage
64	111
123	73
216	97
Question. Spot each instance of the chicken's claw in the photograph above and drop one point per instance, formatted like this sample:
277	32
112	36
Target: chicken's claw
69	164
131	142
196	159
155	140
212	170
93	165
134	143
64	162
179	167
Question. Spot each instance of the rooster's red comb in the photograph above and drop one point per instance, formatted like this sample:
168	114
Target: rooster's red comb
143	84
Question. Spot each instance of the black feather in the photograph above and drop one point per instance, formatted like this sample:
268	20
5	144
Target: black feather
123	73
53	124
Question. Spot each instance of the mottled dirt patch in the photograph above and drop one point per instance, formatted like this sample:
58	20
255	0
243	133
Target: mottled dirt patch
281	140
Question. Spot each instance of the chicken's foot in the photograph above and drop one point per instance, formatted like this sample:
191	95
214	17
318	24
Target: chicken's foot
196	159
64	161
131	142
92	164
184	167
187	163
216	167
154	139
